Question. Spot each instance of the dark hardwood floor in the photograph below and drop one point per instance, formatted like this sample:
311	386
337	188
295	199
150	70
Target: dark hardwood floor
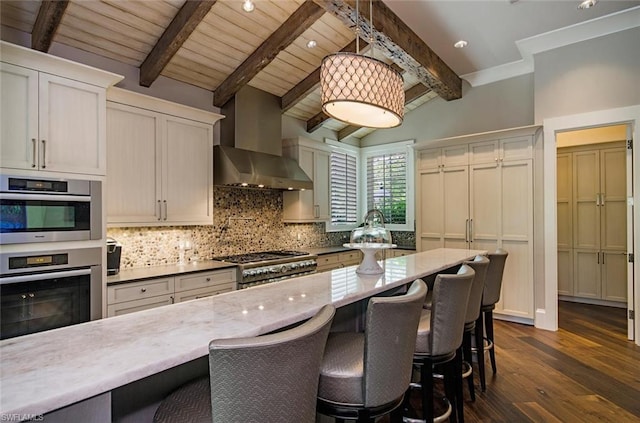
587	371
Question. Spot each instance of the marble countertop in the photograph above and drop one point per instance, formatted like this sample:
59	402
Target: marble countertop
45	371
136	273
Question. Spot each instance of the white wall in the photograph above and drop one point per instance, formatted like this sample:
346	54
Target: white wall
599	74
501	105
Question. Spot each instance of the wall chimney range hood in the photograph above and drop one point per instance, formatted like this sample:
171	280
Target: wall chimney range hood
245	168
250	150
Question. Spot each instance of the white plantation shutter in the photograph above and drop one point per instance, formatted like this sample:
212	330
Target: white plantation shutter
344	207
387	186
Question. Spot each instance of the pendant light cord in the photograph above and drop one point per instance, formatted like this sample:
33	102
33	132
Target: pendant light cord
357	27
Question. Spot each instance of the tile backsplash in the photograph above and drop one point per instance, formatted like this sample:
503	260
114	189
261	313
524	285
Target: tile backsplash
244	220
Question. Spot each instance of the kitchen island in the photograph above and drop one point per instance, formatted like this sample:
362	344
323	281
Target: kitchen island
79	366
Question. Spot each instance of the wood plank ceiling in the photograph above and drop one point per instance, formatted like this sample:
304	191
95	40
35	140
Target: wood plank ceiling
215	45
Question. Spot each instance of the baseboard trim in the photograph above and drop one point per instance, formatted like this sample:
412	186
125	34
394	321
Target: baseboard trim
592	301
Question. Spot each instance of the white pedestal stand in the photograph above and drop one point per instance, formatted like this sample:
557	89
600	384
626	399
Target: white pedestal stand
369	264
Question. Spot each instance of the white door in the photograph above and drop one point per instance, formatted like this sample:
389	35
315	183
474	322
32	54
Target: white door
187	179
72	119
19	117
455	188
431	209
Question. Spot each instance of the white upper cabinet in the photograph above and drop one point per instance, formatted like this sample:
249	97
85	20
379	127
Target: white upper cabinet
53	113
441	157
160	166
309	205
495	151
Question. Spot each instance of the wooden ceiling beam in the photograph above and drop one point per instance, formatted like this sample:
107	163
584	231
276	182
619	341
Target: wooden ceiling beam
183	24
312	81
410	95
397	41
287	33
47	22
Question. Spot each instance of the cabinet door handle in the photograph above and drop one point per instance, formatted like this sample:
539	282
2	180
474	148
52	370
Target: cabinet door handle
466	230
208	279
603	257
598	257
165	209
602	199
173	300
470	230
33	149
159	210
316	211
44	153
143	290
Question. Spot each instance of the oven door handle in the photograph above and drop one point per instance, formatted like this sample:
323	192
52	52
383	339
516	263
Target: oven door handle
44	197
44	276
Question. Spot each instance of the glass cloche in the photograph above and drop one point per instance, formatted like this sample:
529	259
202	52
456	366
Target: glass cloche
371	238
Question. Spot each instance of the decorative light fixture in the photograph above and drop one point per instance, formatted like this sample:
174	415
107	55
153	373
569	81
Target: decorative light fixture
361	90
587	4
248	6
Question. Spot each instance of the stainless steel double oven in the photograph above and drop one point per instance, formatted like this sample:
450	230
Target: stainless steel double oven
50	287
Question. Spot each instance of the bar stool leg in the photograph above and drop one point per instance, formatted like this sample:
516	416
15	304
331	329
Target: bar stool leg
426	380
468	357
457	374
488	321
479	335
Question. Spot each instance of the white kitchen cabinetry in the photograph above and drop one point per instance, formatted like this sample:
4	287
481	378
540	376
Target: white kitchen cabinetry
53	113
309	205
136	296
160	169
593	263
482	200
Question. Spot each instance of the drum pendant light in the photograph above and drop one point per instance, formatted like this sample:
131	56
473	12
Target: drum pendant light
361	90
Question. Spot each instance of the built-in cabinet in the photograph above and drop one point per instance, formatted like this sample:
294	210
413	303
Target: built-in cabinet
477	192
592	216
150	293
328	262
53	113
160	162
308	205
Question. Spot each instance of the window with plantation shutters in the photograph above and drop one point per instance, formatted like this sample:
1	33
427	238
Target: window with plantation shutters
387	186
343	183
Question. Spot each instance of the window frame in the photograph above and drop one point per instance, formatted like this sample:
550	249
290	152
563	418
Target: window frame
391	148
339	147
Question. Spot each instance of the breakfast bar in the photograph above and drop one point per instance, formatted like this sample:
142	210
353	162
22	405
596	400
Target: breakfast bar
79	366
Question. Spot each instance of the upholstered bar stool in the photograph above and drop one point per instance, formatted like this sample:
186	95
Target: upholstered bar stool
364	375
479	264
439	337
490	296
269	378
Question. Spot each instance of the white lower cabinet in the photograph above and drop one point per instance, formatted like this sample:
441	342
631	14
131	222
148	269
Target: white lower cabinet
328	262
150	293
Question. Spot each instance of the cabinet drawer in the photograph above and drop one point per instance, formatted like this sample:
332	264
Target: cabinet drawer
138	305
328	267
139	290
204	280
400	253
194	294
349	258
328	259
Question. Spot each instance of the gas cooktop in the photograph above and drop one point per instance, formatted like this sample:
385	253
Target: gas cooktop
260	256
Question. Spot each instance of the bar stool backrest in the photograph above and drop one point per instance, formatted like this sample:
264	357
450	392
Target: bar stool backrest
493	281
390	340
272	377
479	264
449	310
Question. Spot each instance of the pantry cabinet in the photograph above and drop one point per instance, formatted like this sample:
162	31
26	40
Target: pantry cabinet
477	192
592	256
159	164
308	205
53	113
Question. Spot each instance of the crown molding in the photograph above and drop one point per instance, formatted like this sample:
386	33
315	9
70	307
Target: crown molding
528	47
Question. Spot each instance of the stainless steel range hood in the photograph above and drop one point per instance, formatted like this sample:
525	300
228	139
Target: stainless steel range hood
249	154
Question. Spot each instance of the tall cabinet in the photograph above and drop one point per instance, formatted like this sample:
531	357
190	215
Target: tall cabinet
592	259
477	192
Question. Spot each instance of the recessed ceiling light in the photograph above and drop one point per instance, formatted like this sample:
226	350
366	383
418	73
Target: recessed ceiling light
248	6
311	44
461	44
587	4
